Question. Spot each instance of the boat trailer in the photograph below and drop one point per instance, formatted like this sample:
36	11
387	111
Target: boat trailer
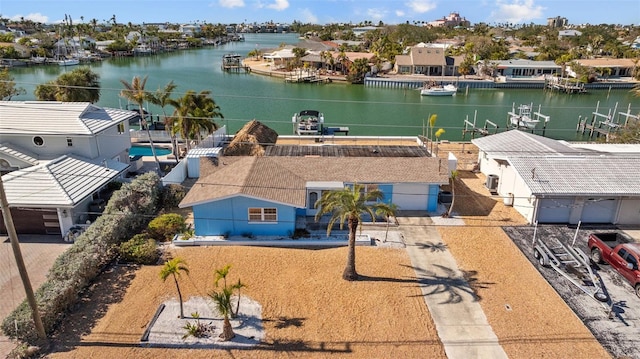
573	264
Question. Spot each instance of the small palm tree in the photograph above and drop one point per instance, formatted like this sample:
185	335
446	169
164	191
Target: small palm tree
173	268
162	98
223	304
388	212
350	204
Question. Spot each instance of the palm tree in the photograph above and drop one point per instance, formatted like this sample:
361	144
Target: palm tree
162	98
388	212
136	93
223	304
194	114
350	204
452	178
173	268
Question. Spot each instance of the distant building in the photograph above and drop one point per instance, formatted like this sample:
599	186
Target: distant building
451	20
568	33
557	21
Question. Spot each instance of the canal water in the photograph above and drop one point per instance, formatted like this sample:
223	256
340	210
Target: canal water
367	111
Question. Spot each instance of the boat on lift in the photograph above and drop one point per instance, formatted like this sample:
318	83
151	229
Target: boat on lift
308	122
522	118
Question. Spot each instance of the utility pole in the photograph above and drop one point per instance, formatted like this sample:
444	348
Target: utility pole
15	245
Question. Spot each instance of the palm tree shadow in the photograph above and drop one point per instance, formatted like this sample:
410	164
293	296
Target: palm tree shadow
456	287
285	322
433	247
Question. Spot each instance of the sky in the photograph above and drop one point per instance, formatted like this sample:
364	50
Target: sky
625	12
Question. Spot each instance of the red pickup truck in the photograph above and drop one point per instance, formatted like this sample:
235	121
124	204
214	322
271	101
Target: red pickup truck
622	254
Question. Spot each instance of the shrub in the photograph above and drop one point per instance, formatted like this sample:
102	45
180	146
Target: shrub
139	250
164	227
172	195
127	212
301	233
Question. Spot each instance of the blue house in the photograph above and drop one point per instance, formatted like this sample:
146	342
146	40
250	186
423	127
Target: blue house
267	195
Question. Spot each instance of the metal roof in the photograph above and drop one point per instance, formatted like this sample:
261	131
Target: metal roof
19	154
284	179
58	118
63	182
519	143
580	175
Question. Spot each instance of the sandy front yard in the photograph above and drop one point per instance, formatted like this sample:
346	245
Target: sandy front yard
307	309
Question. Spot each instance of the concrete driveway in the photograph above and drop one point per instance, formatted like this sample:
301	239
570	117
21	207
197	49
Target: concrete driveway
39	252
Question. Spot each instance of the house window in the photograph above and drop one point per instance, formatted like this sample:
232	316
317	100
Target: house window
121	128
38	141
263	215
69	142
313	198
366	188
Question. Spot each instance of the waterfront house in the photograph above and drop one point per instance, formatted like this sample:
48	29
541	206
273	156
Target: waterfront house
607	67
429	61
62	145
550	181
519	69
275	195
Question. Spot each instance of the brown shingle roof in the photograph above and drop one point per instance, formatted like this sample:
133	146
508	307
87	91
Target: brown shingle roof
283	179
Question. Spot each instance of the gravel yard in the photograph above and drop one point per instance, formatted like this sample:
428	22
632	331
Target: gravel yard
618	334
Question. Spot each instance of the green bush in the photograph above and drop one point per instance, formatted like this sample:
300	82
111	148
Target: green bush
139	250
172	195
127	212
164	227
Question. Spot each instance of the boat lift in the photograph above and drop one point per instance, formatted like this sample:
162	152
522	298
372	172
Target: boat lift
573	264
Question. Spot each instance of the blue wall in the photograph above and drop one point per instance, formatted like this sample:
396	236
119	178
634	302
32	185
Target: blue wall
230	216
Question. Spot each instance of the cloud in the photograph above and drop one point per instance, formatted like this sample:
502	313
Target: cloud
400	13
516	11
421	6
278	5
35	17
309	17
231	3
376	14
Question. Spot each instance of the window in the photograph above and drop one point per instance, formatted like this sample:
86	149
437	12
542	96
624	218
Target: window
69	142
263	215
313	198
38	141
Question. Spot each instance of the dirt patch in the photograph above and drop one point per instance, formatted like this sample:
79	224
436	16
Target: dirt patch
307	309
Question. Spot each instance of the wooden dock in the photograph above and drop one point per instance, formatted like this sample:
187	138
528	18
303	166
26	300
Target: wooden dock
233	62
563	85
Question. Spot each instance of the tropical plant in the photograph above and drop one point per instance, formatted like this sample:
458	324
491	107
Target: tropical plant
358	70
140	249
194	114
197	329
349	205
162	98
79	85
223	305
8	87
221	274
432	123
387	213
173	268
136	93
452	180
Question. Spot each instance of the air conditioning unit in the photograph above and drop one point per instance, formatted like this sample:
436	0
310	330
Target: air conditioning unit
492	183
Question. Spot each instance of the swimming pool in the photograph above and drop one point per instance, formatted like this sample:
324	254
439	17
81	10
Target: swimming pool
146	151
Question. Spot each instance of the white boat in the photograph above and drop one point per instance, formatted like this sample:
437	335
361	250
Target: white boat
522	118
308	122
142	49
439	90
69	62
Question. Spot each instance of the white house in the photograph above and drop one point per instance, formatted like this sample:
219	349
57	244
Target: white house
550	181
72	149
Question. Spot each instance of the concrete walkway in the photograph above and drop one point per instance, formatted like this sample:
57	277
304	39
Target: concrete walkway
459	319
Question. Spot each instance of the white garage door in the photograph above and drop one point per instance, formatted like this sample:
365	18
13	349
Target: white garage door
599	210
555	210
411	196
